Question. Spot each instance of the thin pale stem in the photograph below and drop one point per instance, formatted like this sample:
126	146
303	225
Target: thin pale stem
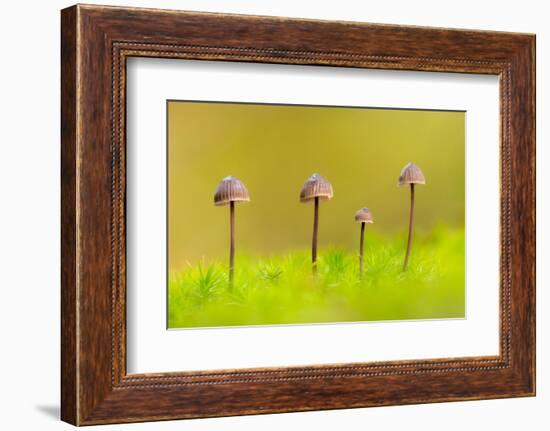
231	242
361	247
411	223
314	240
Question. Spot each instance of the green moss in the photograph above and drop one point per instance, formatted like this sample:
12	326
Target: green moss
282	289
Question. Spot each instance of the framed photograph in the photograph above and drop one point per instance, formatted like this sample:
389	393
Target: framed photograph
266	215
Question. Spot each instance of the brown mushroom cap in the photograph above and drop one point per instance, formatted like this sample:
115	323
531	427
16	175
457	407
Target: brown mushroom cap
364	216
411	174
316	186
230	189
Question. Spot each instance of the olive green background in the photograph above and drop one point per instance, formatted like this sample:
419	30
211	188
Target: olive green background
273	149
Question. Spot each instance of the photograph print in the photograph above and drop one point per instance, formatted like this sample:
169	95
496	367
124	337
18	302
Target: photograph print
298	214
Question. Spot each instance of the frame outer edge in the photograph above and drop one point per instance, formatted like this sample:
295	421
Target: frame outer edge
523	216
533	54
69	197
87	396
527	60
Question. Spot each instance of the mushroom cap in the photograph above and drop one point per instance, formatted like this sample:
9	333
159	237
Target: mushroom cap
364	216
411	174
230	189
316	186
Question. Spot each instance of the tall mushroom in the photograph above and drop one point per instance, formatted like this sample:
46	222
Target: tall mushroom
229	191
315	188
411	174
362	216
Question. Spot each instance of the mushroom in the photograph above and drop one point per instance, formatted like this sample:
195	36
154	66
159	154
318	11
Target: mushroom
315	188
411	174
363	216
229	191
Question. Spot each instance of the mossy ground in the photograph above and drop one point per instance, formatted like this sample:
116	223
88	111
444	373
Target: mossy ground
282	290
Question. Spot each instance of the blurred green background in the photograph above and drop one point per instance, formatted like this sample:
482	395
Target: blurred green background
274	149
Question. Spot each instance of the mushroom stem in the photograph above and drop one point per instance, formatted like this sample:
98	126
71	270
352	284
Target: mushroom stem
231	242
411	222
314	241
361	247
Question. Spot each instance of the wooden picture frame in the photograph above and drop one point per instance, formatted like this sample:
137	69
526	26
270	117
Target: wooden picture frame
95	43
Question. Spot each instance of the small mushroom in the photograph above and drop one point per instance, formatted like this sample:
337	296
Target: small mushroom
362	216
229	191
411	174
315	188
